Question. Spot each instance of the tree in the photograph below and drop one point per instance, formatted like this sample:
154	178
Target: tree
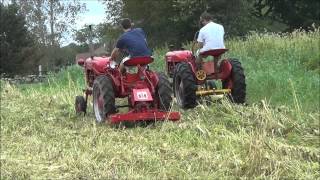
234	15
294	13
82	35
50	20
114	10
17	47
155	17
108	34
176	21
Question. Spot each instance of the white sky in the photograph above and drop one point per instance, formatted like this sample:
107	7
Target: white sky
95	14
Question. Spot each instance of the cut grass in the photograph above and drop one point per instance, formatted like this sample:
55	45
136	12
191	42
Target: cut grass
275	137
42	138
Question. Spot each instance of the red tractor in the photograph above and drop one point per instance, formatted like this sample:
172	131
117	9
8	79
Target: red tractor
191	83
148	93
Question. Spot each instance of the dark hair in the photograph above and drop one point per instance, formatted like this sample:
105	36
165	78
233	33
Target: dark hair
206	16
126	23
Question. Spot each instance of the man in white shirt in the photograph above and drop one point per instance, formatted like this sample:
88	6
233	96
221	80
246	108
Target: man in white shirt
210	36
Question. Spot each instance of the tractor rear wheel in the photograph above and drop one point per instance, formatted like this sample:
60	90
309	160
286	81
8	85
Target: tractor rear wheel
184	85
164	92
80	105
236	82
103	98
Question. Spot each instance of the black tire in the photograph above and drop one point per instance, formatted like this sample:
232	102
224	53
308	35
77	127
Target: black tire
238	91
80	105
184	85
164	92
103	91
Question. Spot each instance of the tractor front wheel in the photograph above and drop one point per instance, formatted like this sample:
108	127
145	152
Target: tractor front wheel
164	92
184	85
236	82
103	98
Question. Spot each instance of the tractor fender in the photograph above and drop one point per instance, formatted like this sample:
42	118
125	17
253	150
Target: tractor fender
225	69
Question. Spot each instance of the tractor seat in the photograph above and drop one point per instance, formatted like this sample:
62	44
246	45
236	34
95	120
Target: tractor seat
214	52
143	60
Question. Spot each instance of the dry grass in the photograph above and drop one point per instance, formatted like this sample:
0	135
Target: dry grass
42	138
275	137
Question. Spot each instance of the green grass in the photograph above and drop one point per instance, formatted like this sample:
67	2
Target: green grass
275	137
275	66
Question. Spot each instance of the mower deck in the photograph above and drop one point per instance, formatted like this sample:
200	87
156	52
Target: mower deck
150	115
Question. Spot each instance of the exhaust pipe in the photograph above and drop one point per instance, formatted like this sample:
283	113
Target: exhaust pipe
91	49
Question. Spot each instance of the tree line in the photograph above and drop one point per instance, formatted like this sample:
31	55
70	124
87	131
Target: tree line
32	31
176	21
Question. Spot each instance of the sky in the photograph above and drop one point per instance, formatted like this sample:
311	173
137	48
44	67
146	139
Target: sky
95	14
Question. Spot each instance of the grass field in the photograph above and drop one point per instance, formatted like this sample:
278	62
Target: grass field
275	137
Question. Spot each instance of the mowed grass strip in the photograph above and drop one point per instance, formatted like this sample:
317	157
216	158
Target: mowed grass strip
276	136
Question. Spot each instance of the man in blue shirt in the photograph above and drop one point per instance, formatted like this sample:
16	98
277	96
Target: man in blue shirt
132	41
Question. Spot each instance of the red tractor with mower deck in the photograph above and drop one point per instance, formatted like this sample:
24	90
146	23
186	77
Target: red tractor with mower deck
191	83
148	93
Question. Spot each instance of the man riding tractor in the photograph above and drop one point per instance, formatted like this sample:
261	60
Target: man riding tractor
148	93
210	37
194	78
133	42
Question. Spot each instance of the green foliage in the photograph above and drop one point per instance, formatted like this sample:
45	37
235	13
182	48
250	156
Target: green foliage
65	75
175	21
234	15
25	40
82	36
294	13
50	21
271	62
17	46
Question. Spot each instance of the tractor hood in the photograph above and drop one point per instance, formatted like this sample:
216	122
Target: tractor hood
177	56
98	64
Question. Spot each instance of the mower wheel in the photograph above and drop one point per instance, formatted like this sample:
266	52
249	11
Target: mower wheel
184	85
237	82
164	92
80	105
103	98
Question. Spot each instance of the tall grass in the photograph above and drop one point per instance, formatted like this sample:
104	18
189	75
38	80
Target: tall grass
271	61
275	137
